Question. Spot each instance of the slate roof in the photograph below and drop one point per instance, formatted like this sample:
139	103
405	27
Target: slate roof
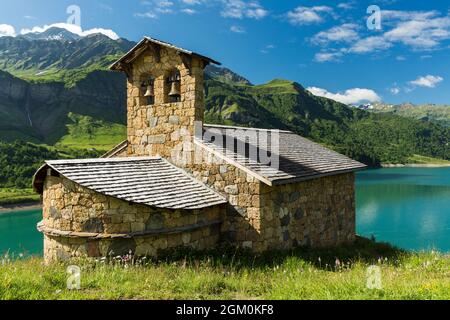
137	50
299	158
149	181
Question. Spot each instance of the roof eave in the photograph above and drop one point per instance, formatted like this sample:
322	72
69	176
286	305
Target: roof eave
116	65
38	181
315	176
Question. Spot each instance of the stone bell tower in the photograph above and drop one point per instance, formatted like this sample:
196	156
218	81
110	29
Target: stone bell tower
165	96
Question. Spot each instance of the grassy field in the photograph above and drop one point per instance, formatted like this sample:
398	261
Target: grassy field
418	159
87	133
302	274
434	113
16	196
105	139
57	74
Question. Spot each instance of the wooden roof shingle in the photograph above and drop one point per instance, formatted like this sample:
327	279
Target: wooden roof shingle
299	159
150	181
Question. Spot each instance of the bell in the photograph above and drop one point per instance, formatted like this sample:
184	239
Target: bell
150	92
175	89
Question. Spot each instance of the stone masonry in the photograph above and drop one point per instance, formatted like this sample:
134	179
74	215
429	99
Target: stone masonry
319	212
78	222
156	129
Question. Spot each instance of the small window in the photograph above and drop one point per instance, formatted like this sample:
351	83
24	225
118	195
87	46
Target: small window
148	90
174	83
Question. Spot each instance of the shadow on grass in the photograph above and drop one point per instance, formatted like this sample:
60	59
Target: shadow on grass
362	250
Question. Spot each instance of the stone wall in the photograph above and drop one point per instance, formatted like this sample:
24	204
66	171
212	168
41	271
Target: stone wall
242	223
157	129
317	213
79	222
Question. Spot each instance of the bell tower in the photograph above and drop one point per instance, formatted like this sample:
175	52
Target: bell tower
165	97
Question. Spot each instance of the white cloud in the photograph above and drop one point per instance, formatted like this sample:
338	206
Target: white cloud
7	30
165	4
241	9
345	5
164	10
393	15
308	15
188	11
394	90
420	34
257	13
370	44
351	96
237	29
420	30
72	28
267	48
148	14
192	2
417	30
159	7
327	56
106	7
427	81
400	58
344	33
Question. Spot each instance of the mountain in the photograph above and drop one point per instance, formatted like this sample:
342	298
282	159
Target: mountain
224	75
38	112
33	58
51	34
425	112
58	92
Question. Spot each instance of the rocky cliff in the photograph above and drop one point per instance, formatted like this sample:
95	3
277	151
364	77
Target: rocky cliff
38	111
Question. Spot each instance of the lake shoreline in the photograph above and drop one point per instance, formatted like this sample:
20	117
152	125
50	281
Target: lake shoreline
20	207
415	165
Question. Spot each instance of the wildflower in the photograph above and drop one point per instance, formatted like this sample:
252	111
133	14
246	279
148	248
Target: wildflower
427	264
338	263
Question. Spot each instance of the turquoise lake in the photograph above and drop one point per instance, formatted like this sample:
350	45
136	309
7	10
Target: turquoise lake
408	207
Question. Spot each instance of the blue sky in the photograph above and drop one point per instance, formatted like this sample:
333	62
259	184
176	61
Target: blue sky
324	45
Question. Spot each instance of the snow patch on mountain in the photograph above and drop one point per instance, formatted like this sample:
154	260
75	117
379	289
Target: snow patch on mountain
71	28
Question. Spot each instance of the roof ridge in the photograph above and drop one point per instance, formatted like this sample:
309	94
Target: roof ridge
146	39
245	128
101	160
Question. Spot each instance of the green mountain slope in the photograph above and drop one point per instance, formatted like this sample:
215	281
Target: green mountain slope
427	112
65	59
87	133
38	112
